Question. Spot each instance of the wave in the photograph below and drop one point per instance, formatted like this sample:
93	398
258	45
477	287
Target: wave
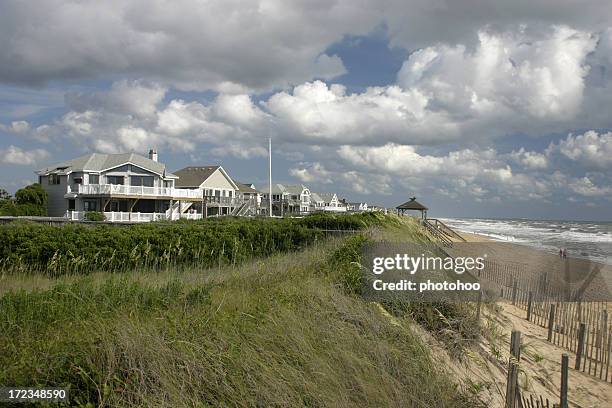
583	239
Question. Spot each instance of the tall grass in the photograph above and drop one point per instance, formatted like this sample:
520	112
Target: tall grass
283	331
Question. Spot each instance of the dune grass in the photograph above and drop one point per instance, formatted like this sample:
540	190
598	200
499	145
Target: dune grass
288	330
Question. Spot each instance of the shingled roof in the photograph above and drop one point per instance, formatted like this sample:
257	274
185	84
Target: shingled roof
194	176
97	162
412	204
245	188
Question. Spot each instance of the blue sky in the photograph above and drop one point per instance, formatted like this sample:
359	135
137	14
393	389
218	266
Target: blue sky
500	114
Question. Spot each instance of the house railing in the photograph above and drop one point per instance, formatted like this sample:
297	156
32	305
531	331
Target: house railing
227	201
118	189
123	216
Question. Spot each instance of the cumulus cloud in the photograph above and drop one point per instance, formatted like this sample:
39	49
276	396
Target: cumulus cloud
507	83
591	149
18	156
132	116
530	160
189	44
312	172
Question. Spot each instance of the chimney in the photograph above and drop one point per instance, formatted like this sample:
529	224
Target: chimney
153	154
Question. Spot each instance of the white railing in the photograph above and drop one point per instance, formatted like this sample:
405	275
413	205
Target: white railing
334	209
191	216
122	216
117	189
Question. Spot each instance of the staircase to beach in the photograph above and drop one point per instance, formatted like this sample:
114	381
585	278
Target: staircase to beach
441	231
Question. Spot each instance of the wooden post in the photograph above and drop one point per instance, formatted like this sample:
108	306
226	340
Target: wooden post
511	388
551	322
514	288
515	357
515	344
564	378
579	351
529	299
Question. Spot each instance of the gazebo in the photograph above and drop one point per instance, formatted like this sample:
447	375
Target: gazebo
412	205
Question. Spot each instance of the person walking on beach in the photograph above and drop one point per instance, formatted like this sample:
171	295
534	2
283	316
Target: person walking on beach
564	253
560	253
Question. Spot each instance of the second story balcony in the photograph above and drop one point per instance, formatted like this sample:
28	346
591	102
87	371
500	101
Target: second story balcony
135	191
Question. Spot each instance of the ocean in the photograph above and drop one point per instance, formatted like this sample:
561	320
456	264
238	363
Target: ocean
582	239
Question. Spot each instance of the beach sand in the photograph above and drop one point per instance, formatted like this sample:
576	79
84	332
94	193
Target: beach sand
540	371
593	279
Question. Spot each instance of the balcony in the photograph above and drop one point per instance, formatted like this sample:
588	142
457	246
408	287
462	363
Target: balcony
138	191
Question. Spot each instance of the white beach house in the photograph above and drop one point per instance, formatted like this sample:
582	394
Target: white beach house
125	187
330	203
220	194
288	199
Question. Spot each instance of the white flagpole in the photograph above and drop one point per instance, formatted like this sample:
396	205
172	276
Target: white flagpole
270	175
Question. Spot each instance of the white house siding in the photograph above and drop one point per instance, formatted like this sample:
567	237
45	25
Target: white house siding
217	181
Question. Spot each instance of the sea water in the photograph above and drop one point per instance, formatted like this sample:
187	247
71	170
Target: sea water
582	239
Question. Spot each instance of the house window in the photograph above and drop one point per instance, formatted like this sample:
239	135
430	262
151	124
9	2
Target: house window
71	205
78	180
217	193
54	179
117	180
90	205
94	179
146	181
229	193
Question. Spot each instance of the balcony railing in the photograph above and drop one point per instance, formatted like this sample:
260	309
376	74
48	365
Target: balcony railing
122	216
117	189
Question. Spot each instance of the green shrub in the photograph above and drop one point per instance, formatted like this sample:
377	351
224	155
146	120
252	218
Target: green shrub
95	216
77	248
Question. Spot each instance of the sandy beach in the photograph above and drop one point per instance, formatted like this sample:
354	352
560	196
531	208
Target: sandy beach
593	278
540	363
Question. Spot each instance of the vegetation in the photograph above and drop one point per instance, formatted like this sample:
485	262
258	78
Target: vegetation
280	329
30	200
56	250
283	331
95	216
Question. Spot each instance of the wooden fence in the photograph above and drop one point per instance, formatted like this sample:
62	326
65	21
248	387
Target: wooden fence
515	397
579	326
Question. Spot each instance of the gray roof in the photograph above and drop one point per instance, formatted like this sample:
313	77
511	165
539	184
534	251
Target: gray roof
413	204
316	197
194	176
97	162
245	188
285	188
326	197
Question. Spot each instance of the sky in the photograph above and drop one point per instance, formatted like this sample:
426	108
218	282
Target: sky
478	108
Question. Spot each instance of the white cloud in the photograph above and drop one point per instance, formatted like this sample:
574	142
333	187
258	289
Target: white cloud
530	160
194	45
591	149
16	127
585	187
507	73
18	156
310	173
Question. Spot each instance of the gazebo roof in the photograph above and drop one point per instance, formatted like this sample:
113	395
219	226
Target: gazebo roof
413	204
